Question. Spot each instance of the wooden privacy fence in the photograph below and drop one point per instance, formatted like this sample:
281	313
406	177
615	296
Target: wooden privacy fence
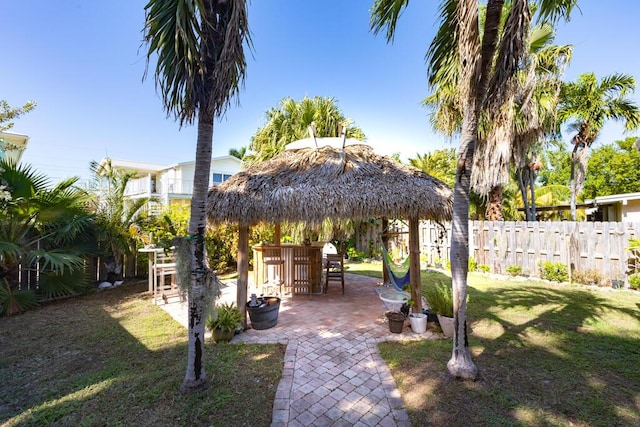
583	246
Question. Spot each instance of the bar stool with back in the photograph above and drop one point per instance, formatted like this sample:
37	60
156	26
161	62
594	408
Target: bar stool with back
335	268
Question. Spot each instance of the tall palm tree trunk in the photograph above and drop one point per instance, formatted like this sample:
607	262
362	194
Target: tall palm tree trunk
196	378
461	365
494	211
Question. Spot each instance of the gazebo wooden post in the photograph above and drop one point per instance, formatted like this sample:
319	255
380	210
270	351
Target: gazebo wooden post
276	235
414	264
243	271
385	242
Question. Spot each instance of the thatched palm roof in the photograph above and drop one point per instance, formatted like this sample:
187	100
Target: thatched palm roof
311	184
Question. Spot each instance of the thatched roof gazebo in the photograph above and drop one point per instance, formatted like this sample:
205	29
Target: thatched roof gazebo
338	179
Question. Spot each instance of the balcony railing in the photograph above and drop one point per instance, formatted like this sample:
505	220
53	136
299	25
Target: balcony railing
147	186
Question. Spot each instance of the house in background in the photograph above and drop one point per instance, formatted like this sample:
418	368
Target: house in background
12	145
169	185
616	208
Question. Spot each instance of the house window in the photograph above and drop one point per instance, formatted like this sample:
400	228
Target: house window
219	178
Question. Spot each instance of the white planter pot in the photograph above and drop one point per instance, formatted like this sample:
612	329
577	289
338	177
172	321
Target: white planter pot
446	323
418	322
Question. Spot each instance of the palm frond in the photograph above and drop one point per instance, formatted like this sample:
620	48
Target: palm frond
385	15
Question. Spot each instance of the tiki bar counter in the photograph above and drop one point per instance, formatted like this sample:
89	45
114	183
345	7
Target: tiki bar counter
288	269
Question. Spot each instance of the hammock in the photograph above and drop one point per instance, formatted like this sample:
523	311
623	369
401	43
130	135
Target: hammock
401	277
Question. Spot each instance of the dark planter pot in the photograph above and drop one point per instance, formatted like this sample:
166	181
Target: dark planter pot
264	317
396	321
219	335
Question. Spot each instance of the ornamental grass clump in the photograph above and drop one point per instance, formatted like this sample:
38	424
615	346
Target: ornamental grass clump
439	296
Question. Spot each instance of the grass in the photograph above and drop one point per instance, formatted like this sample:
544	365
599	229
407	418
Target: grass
113	358
548	355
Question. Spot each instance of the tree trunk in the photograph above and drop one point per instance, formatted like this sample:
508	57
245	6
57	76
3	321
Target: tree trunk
195	378
461	365
523	192
494	207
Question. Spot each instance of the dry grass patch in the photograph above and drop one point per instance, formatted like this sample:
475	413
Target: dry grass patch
114	358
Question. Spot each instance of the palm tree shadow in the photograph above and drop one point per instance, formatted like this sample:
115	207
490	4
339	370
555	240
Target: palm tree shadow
557	356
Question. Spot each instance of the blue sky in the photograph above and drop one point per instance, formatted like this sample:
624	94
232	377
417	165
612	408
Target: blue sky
83	62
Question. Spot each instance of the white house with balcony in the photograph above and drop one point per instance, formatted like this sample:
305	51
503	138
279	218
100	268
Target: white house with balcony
171	184
12	145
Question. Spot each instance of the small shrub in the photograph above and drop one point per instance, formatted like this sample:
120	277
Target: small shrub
226	318
588	277
484	268
634	281
554	271
439	296
473	264
514	270
355	255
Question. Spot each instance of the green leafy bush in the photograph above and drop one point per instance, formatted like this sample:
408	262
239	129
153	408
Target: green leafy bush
514	270
588	277
439	297
226	318
354	255
634	281
484	268
473	264
554	271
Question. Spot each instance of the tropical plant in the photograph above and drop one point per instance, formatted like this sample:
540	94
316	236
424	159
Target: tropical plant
226	317
509	133
514	270
200	65
613	169
590	104
482	86
45	231
440	164
291	121
554	271
439	298
117	218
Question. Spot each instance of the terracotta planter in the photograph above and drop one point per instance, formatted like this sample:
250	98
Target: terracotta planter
219	335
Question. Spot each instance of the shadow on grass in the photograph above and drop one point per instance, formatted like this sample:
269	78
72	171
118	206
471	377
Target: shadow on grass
548	355
115	359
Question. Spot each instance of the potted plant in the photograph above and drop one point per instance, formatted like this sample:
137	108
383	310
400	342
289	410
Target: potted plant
439	298
224	322
418	321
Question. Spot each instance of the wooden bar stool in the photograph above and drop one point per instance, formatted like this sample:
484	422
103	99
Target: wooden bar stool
274	266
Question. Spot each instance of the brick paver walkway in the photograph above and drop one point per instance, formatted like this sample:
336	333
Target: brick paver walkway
333	373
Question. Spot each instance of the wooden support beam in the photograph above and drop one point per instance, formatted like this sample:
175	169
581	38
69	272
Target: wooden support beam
243	272
414	264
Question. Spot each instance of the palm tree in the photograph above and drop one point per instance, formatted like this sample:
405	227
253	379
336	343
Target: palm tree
116	217
591	104
200	67
290	121
238	153
511	135
46	228
481	86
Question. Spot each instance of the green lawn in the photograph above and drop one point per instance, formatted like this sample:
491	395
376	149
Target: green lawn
548	355
113	358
